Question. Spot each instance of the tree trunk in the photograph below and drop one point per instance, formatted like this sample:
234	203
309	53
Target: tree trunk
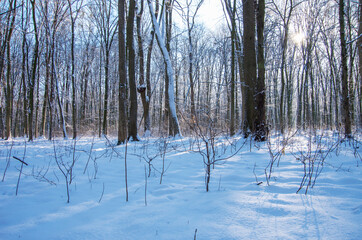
132	123
122	95
9	84
74	107
249	64
33	74
344	77
233	72
8	93
23	72
260	124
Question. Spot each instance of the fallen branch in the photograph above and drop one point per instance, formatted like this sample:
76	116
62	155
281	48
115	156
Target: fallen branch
20	160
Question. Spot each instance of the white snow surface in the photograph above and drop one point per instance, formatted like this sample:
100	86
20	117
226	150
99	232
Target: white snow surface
179	208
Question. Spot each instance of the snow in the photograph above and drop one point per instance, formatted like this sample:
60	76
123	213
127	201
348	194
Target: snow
179	208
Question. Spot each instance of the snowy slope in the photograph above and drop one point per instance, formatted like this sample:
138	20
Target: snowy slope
179	208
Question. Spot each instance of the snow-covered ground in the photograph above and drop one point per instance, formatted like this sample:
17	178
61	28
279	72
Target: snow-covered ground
236	207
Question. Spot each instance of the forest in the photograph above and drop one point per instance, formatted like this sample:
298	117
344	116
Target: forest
180	119
138	68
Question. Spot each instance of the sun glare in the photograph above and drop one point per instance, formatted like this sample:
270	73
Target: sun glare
298	38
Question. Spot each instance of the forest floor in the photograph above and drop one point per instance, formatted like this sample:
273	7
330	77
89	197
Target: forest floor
242	202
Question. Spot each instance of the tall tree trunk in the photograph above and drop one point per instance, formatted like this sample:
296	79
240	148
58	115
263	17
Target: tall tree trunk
249	64
9	85
8	93
132	123
33	73
74	106
168	25
122	94
23	71
260	124
345	96
233	72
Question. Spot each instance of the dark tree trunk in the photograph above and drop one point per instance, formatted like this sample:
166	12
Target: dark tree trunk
260	123
9	84
122	95
33	74
345	96
74	106
132	123
249	64
167	117
233	71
